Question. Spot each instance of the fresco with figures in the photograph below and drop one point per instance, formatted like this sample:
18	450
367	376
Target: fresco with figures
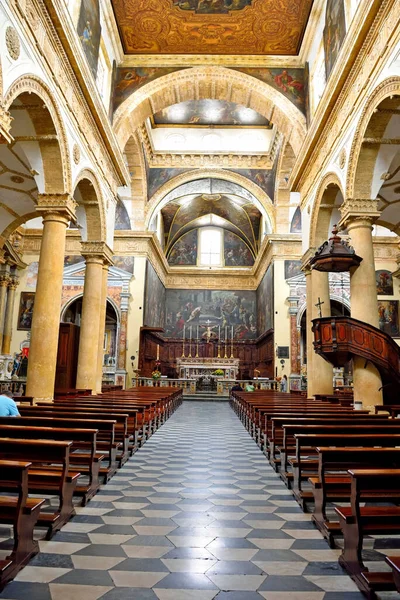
212	7
236	252
292	268
154	293
334	32
224	310
129	80
207	113
265	302
25	311
290	82
264	178
122	220
89	31
388	311
295	225
157	178
384	282
184	251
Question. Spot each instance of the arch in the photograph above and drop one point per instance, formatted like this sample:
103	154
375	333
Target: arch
93	203
5	234
266	207
210	82
70	301
55	153
356	181
330	179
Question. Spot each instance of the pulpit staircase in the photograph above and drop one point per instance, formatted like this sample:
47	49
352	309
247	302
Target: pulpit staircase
339	339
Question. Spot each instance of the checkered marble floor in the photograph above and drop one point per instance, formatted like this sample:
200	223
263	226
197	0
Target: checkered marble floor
196	514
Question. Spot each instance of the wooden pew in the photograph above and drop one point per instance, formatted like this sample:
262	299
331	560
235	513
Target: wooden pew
106	429
49	474
357	521
332	484
83	440
21	512
394	563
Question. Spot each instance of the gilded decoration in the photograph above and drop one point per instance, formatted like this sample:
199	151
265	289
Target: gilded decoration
212	26
76	153
12	42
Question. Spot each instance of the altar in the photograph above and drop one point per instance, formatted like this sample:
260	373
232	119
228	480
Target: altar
196	368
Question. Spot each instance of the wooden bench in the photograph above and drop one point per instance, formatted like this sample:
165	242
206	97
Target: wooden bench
358	521
83	442
394	563
21	512
49	474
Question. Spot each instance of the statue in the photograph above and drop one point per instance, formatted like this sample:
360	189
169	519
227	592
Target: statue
209	334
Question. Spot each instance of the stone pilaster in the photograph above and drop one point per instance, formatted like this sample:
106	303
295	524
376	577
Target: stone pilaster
4	280
57	211
9	313
5	126
96	255
358	217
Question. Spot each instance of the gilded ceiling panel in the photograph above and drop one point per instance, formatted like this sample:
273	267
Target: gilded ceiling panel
234	27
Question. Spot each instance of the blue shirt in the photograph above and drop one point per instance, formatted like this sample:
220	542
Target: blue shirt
8	408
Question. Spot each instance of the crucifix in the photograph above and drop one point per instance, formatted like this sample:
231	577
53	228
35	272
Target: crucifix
318	305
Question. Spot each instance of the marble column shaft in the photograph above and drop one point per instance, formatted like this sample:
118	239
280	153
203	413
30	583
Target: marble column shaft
322	370
102	327
309	333
9	313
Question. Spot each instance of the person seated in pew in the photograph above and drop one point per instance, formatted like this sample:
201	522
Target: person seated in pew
237	387
8	408
249	387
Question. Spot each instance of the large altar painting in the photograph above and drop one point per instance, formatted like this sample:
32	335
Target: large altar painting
224	309
154	294
212	7
265	302
388	311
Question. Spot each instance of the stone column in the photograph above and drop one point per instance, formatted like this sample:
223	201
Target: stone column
57	211
358	217
4	279
102	326
294	335
95	253
309	333
8	319
123	330
323	371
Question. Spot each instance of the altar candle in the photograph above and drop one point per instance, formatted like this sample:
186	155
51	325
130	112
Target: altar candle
184	327
232	334
219	332
158	352
226	333
197	332
190	333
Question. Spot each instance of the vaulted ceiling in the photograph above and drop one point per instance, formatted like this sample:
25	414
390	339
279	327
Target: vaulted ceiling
235	27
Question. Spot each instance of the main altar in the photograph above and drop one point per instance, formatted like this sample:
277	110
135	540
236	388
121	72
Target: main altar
197	368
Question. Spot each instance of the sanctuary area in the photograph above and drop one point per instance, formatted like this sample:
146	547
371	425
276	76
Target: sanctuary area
199	281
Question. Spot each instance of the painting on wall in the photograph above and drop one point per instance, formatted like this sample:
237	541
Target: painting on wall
384	283
70	260
25	311
388	311
264	178
236	252
290	82
307	104
334	32
89	31
129	80
295	225
210	113
224	311
212	7
184	251
265	302
125	263
122	220
31	275
154	299
157	178
292	268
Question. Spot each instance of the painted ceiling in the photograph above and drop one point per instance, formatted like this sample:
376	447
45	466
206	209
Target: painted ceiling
234	27
209	113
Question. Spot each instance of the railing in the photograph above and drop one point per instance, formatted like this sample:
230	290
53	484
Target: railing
189	385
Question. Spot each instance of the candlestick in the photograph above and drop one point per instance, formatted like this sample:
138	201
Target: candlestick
197	348
226	355
219	350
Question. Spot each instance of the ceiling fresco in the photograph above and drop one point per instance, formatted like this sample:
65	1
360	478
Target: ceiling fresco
210	113
263	27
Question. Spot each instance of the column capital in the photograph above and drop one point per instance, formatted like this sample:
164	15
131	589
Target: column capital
4	279
13	282
96	250
5	125
358	212
57	205
305	261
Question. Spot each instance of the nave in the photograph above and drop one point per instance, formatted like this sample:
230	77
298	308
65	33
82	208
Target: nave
196	514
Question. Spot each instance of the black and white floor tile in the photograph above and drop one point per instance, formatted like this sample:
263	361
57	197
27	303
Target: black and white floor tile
196	514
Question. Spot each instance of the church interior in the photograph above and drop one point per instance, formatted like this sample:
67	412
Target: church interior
199	279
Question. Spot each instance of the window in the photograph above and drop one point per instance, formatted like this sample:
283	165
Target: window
210	247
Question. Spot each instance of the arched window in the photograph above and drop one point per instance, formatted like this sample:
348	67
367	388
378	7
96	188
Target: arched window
210	247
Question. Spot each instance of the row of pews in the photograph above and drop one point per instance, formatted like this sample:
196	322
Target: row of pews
342	465
63	451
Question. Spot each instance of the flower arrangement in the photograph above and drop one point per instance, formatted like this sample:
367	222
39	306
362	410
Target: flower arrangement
156	374
218	372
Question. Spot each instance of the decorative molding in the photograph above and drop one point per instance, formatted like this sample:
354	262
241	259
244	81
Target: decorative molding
358	212
13	43
5	125
97	249
62	204
76	154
